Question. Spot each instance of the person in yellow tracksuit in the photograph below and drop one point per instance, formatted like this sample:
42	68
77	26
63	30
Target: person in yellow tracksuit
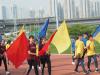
91	53
8	44
79	49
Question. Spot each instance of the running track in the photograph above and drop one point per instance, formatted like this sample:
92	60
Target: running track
61	65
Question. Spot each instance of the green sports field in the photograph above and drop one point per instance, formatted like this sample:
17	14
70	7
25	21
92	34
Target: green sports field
74	30
53	49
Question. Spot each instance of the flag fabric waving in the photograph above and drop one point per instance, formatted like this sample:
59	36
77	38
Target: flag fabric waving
96	34
0	37
61	39
18	51
42	32
46	46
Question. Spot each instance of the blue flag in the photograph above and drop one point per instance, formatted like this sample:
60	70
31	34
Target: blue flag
97	31
0	37
43	30
96	34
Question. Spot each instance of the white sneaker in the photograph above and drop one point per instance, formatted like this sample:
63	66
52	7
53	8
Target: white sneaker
39	68
32	67
96	70
7	72
73	63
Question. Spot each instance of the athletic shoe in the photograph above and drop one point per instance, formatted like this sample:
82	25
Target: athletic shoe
86	73
73	63
7	72
96	70
89	71
39	68
75	71
32	67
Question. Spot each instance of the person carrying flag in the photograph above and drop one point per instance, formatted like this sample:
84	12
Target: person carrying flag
91	53
45	58
73	50
32	59
7	46
84	39
79	48
3	56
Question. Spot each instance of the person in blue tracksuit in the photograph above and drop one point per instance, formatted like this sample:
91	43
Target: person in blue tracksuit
84	39
73	50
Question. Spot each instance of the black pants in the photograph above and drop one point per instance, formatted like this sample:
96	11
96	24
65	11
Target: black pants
80	60
3	58
95	61
46	59
32	62
73	59
85	51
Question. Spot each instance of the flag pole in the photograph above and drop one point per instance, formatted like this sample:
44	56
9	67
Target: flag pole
56	13
13	17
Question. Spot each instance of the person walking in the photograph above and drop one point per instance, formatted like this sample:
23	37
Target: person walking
45	59
32	59
79	46
91	53
3	56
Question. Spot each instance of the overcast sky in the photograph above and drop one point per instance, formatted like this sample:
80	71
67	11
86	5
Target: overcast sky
34	4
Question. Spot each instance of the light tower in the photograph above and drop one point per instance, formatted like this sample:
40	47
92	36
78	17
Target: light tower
65	9
0	9
50	8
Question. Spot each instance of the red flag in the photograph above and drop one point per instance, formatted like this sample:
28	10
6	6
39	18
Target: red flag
46	46
18	51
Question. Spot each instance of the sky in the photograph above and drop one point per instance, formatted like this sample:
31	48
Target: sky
34	4
27	5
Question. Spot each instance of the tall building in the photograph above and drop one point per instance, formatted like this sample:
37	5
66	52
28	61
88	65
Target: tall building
41	13
72	8
82	8
97	8
60	11
65	9
85	8
1	9
32	13
4	12
77	15
15	13
50	8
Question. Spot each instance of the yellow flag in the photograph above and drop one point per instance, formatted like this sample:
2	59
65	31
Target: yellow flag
21	30
61	39
97	37
37	50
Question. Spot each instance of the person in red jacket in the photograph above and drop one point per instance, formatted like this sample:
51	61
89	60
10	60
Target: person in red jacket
3	56
32	59
45	58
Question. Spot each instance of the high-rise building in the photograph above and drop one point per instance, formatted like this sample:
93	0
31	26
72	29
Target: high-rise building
50	8
77	15
1	9
41	13
72	8
65	9
85	8
97	8
60	11
32	13
15	13
4	12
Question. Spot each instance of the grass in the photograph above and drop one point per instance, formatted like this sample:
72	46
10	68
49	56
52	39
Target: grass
97	47
53	49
